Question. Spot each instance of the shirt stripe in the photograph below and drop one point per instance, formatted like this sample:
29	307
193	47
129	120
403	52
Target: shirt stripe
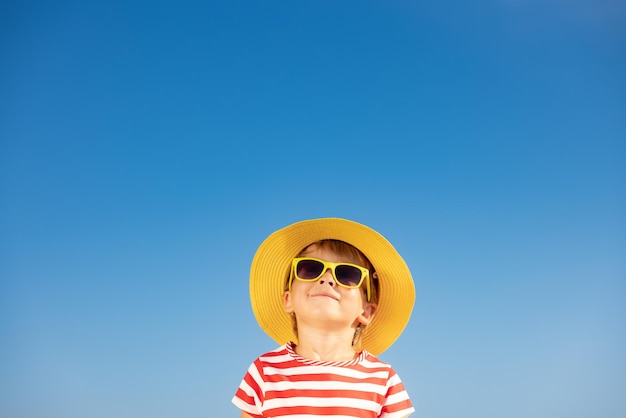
283	384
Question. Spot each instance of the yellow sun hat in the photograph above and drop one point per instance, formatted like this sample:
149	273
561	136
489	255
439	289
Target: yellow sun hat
272	263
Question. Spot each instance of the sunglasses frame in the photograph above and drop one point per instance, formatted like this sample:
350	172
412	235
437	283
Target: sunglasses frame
365	273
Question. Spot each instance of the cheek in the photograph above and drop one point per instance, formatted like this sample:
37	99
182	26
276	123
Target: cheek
354	295
361	292
299	289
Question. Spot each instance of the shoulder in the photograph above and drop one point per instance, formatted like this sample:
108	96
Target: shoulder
375	365
270	360
277	356
278	352
370	360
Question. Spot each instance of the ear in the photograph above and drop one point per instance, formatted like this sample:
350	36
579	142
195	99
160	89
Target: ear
368	313
287	305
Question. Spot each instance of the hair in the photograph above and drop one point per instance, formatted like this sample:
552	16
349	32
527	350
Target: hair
355	256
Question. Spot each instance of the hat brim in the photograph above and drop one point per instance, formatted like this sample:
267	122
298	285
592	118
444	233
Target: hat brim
272	261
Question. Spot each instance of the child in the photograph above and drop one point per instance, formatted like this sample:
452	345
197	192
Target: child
334	293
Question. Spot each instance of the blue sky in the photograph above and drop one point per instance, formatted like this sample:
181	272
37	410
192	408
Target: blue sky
147	148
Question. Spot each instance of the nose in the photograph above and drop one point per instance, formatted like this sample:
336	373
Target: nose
327	277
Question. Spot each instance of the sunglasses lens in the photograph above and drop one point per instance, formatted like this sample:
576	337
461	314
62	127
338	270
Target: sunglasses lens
309	269
348	275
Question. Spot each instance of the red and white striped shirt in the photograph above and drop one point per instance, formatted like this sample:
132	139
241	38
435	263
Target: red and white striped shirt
283	384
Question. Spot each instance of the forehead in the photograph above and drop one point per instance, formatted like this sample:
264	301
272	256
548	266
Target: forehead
332	251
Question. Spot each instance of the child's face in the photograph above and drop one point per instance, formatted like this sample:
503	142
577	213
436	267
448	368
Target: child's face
323	302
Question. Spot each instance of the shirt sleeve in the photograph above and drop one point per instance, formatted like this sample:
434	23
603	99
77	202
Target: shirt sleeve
249	394
397	403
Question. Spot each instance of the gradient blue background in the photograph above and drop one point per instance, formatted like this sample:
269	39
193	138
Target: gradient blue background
147	148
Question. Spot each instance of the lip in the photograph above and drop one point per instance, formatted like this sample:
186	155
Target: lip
324	295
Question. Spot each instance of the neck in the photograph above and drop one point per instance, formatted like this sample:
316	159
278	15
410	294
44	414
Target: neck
324	345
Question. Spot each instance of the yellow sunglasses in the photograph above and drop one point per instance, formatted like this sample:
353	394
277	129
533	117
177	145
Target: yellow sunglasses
346	275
